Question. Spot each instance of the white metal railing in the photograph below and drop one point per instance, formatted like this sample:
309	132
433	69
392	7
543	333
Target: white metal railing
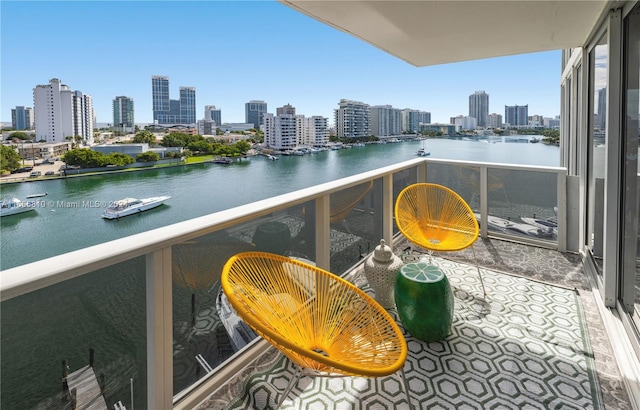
156	247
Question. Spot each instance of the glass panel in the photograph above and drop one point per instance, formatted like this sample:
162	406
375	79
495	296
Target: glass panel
523	203
631	271
356	224
104	310
597	151
206	329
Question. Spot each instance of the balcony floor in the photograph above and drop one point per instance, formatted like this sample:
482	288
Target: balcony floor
267	376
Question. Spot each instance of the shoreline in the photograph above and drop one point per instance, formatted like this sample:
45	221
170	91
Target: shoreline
25	178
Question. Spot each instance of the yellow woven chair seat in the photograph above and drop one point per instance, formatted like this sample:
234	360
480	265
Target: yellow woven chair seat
318	320
436	218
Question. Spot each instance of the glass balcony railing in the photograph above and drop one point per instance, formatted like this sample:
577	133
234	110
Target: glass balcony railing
150	305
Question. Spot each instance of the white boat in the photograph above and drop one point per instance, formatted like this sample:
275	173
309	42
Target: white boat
505	225
422	153
130	206
549	225
15	206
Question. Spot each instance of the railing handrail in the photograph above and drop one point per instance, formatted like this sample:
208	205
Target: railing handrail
46	272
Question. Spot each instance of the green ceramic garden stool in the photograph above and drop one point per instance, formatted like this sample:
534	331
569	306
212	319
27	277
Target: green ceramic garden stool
424	301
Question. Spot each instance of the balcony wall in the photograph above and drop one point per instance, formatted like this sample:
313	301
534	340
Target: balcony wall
150	304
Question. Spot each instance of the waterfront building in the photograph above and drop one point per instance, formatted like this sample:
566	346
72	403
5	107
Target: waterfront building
22	118
352	119
385	120
516	115
280	131
132	150
286	109
479	108
314	131
494	121
123	117
465	122
211	113
411	120
45	150
446	129
553	123
254	112
167	111
61	112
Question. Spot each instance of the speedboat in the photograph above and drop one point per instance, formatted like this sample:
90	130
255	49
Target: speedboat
549	225
15	206
130	206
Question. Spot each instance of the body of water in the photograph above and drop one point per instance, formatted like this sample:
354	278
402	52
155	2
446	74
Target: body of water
105	310
69	217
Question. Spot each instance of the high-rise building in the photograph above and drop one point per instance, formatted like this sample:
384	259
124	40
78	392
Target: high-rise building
254	112
61	113
280	131
160	98
314	131
168	111
479	107
22	118
352	119
123	113
385	120
516	115
211	113
411	120
188	105
601	119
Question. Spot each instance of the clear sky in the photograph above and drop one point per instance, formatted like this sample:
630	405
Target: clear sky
236	51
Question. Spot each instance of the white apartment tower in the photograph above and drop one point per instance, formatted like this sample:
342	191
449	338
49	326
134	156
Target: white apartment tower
495	121
352	119
385	121
280	131
61	113
314	131
411	120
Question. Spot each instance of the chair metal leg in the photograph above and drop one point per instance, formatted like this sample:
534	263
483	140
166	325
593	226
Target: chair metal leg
479	274
295	378
403	379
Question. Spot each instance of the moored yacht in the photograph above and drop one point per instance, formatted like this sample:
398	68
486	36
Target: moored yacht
130	206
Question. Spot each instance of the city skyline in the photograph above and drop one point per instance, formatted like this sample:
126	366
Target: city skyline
319	67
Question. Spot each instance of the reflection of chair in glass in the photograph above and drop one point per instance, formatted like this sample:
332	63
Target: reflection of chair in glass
342	203
324	324
470	178
437	219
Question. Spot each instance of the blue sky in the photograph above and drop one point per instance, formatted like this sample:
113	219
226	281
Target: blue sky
236	51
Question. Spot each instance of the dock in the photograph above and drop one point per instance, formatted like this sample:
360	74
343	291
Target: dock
82	387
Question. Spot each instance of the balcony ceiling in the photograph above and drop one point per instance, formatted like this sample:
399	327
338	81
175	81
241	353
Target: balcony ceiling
430	32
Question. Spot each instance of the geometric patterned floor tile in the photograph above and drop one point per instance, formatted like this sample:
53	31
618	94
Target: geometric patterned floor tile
524	346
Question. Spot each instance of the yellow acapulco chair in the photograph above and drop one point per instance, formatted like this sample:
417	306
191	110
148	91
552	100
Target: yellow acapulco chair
437	219
325	325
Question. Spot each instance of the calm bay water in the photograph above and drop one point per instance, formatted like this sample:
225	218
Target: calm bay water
105	310
69	219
